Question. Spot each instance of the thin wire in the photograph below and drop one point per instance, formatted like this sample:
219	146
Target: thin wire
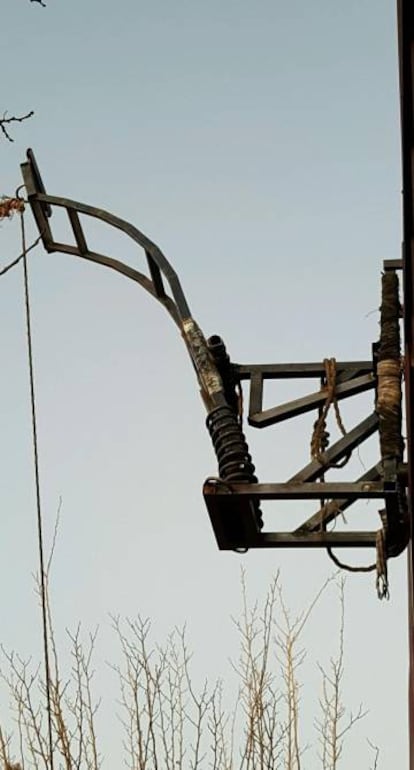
37	484
18	259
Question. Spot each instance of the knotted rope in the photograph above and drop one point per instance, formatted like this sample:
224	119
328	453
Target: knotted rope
10	206
319	436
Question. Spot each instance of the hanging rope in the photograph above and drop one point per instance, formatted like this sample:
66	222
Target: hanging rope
380	565
319	444
43	576
320	435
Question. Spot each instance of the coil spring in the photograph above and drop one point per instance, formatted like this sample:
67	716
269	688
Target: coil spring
234	460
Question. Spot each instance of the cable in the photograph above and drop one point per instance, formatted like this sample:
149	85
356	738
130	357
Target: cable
18	259
37	485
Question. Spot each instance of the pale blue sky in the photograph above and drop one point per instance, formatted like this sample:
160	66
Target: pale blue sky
258	145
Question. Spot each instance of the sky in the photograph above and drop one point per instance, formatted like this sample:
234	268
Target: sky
258	145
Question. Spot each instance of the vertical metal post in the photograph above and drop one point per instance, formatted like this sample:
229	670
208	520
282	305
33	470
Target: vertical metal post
411	652
405	10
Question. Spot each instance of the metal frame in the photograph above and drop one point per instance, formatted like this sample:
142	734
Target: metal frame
233	505
231	517
160	270
233	499
159	267
353	377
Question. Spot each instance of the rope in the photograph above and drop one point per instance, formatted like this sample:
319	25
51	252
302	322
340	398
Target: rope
380	565
319	436
319	443
43	578
9	206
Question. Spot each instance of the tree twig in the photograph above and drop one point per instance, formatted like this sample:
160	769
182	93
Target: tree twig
5	121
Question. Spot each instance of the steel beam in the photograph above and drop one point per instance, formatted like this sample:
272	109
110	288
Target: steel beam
333	508
406	61
297	370
341	449
263	418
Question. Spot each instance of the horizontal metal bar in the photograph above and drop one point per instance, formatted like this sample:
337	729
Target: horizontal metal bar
314	540
337	451
233	520
308	403
393	264
347	374
334	508
307	491
297	371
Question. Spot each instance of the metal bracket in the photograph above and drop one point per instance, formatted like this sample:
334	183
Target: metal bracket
233	500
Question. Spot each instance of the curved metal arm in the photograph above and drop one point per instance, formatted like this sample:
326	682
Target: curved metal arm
224	425
160	270
158	265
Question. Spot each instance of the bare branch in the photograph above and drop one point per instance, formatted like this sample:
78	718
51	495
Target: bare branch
5	121
170	721
376	754
334	724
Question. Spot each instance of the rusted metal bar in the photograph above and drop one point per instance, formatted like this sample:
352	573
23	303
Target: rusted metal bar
263	419
78	232
297	370
308	491
235	525
393	264
317	540
337	451
335	507
156	276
